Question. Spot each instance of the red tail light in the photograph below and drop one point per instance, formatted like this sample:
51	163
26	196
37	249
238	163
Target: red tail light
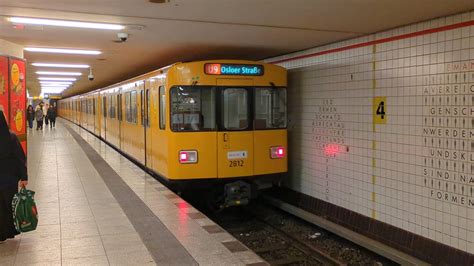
277	152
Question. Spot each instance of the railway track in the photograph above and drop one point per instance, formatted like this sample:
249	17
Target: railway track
282	239
276	246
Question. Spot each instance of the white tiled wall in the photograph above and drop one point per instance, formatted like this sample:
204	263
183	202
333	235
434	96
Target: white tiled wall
416	170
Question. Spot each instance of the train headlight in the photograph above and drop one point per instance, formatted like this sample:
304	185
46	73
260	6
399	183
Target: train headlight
188	157
277	152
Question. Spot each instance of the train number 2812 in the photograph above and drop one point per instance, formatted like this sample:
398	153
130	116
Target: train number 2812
236	163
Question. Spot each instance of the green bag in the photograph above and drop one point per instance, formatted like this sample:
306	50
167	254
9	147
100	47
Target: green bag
25	214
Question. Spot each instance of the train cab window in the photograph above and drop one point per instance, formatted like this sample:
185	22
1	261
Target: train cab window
270	108
162	108
234	109
193	109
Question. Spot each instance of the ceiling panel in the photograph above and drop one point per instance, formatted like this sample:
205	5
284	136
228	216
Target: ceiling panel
185	30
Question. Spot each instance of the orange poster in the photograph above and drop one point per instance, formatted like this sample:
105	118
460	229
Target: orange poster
18	99
4	106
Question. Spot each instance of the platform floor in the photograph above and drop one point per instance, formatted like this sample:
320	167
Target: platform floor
97	208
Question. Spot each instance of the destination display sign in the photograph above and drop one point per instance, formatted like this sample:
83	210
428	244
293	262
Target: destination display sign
233	69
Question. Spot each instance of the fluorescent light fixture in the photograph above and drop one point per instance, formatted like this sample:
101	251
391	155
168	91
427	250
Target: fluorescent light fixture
58	73
57	79
59	65
61	51
56	82
54	85
55	88
52	91
66	23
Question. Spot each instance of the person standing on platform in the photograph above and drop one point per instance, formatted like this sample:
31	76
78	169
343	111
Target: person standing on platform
52	116
30	115
13	172
39	117
45	112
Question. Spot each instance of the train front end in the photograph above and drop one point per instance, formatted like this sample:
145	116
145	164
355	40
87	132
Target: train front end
228	127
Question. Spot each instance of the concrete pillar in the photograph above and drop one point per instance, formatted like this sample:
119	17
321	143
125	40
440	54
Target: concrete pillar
11	49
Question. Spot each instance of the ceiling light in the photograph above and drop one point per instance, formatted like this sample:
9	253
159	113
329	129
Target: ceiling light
66	23
55	85
52	91
56	82
54	88
61	51
58	73
59	65
57	79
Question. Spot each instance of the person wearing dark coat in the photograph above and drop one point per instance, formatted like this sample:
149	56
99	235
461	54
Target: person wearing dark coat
30	115
52	116
13	172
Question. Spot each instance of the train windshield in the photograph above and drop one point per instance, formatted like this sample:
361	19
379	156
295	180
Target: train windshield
270	108
195	108
234	109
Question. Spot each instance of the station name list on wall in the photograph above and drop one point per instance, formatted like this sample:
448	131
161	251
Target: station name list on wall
448	119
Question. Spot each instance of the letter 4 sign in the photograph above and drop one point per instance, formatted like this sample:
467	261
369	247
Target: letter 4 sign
379	109
233	69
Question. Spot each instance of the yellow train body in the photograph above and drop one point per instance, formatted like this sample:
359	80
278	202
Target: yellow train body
216	113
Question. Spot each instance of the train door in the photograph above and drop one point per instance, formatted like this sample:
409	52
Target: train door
235	137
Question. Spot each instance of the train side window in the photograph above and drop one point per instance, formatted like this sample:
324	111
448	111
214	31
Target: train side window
112	107
119	108
133	107
142	108
127	107
148	114
104	106
162	108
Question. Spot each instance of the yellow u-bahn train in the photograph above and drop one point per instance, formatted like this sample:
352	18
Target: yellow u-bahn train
217	124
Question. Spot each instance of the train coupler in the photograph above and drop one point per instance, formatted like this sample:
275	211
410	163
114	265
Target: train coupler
237	194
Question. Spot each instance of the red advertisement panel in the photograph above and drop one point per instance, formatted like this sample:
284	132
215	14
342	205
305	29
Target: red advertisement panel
4	106
18	99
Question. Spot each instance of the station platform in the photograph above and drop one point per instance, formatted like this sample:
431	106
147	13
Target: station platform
98	208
